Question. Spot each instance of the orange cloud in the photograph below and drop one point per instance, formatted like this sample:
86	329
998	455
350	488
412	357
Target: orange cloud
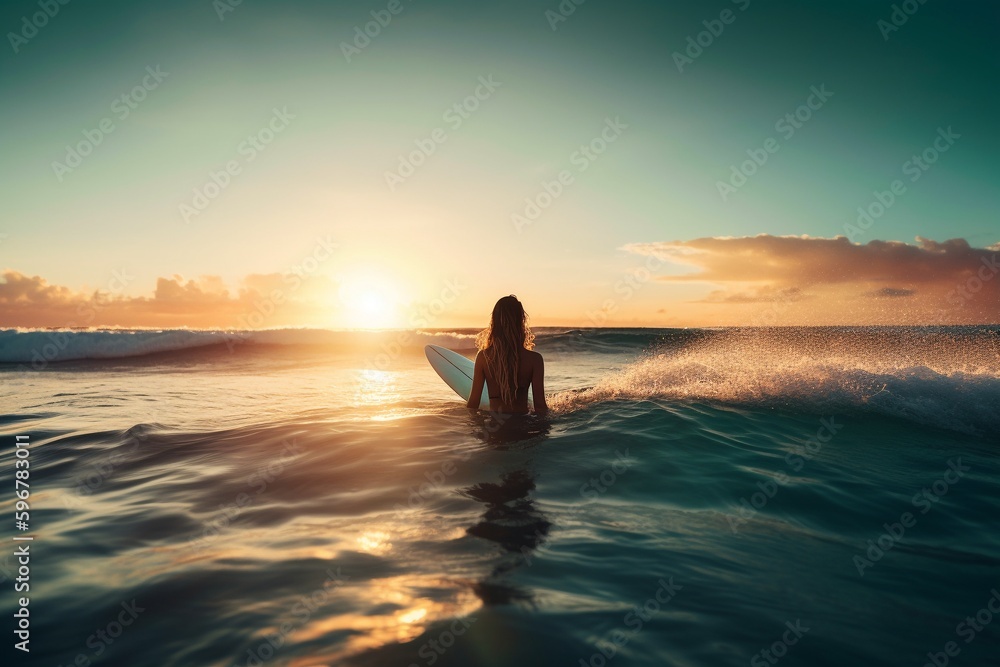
18	289
263	300
803	280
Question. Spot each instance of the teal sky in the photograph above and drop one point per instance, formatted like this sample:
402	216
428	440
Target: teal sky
324	174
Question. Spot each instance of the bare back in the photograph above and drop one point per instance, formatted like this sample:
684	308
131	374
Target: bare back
530	372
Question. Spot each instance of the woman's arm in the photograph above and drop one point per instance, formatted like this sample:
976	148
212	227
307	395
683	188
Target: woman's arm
478	380
538	386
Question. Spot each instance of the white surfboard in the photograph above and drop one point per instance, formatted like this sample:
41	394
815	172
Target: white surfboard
456	370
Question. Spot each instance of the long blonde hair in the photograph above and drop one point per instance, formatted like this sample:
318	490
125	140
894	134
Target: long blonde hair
501	344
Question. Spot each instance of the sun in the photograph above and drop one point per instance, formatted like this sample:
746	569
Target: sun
368	301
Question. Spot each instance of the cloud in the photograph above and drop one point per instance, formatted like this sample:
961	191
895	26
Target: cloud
802	259
18	289
262	300
834	281
208	289
891	292
764	294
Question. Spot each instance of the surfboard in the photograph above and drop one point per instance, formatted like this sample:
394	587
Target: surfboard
456	371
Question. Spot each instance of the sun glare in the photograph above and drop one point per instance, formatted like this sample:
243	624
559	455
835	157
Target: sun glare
368	302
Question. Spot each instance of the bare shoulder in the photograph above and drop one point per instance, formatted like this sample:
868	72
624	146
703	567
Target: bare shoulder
534	357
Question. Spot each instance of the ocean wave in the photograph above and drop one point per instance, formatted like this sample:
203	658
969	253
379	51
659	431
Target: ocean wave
946	378
615	341
38	348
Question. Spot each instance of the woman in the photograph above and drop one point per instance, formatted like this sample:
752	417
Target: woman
506	362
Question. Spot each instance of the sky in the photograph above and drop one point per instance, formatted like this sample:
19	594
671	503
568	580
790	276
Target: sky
406	163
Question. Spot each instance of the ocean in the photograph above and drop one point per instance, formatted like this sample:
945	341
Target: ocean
696	497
